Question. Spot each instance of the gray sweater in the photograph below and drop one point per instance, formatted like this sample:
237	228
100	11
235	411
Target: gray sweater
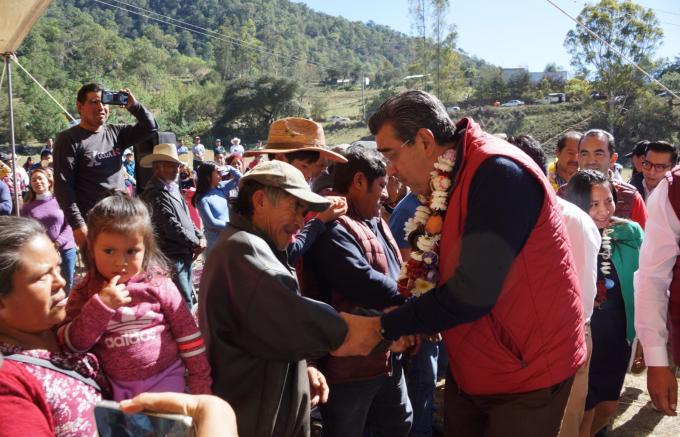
87	165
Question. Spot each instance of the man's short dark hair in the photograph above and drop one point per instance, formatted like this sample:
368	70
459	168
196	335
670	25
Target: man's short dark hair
562	140
360	159
412	110
529	145
600	133
88	88
44	154
308	156
663	147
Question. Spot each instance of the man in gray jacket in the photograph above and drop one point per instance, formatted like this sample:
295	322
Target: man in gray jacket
178	238
258	330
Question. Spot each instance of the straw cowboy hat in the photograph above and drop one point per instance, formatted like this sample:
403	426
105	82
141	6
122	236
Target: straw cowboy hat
236	140
161	152
293	134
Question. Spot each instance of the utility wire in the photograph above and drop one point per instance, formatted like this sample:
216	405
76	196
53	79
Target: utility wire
615	50
206	32
16	61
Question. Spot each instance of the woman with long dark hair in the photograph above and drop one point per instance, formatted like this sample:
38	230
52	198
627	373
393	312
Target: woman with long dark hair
212	200
612	323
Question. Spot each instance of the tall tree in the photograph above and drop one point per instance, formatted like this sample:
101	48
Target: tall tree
631	29
439	35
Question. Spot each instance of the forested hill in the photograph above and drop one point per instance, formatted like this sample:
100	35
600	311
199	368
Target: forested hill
179	57
256	28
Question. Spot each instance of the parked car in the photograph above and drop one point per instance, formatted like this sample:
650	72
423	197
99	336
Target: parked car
597	95
338	119
513	103
452	109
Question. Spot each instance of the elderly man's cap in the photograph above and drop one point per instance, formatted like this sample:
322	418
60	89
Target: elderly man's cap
282	175
294	134
640	149
161	152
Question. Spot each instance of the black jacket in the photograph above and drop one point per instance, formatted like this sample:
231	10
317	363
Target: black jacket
175	232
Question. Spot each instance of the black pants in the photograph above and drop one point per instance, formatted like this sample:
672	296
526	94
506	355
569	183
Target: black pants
536	413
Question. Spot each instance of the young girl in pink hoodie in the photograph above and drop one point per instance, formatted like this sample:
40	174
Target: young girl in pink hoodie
129	312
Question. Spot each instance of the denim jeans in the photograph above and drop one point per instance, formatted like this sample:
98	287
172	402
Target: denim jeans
374	407
421	378
181	276
68	267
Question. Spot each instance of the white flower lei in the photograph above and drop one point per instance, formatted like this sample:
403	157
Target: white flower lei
420	273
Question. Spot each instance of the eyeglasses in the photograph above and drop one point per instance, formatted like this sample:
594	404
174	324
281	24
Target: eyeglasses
392	154
658	167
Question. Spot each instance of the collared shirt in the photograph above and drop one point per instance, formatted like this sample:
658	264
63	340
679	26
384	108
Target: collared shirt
657	257
585	241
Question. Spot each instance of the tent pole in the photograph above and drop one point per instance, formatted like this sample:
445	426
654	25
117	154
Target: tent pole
17	188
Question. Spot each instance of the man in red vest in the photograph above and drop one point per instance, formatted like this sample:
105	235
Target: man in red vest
655	311
506	299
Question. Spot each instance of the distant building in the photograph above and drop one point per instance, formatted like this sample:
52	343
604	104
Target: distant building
507	74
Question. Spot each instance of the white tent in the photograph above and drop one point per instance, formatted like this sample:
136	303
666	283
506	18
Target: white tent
16	20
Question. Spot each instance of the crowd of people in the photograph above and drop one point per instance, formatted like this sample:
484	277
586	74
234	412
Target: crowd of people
339	284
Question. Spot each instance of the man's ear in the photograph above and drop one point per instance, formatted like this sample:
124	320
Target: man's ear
259	198
428	141
359	180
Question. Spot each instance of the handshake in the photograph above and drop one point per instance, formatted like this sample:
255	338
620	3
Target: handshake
363	335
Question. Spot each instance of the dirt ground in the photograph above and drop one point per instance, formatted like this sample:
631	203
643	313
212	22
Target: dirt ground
634	418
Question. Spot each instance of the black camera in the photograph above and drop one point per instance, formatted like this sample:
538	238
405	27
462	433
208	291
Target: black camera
115	98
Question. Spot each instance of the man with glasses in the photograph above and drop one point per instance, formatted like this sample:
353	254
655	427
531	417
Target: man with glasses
597	151
660	157
501	238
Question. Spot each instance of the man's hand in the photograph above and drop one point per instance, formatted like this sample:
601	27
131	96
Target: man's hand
663	389
318	387
337	208
407	343
131	98
202	244
363	335
80	235
115	295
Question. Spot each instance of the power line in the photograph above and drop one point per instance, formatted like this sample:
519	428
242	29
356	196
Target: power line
614	49
206	32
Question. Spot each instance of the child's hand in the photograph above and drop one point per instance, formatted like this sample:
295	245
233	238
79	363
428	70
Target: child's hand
115	295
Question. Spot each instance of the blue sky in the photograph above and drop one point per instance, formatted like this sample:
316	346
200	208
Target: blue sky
508	33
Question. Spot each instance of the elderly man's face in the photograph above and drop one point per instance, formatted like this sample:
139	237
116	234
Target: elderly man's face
280	220
165	170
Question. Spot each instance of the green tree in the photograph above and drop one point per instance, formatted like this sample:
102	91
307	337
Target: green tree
628	27
250	105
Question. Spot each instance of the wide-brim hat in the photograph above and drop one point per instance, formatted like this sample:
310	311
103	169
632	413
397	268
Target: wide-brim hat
161	152
282	175
235	140
294	134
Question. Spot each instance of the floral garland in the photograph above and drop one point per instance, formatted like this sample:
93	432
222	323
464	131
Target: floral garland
604	283
420	273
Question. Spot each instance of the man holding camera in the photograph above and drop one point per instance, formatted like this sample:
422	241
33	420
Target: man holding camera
87	157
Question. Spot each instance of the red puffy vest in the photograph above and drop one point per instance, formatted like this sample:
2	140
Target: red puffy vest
674	304
533	337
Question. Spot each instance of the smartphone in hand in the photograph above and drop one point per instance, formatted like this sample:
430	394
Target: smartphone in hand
112	422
